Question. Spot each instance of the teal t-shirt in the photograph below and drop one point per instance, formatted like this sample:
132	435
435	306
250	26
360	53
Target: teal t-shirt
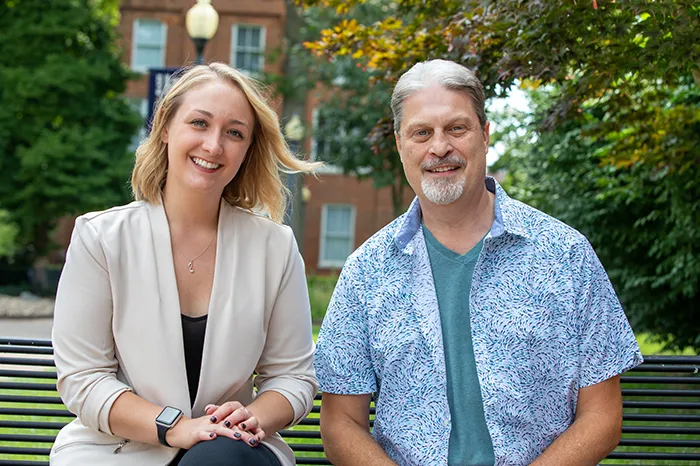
470	442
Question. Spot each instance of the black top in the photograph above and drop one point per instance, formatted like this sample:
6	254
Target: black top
193	330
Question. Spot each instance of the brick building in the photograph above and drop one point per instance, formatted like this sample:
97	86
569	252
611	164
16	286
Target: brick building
339	212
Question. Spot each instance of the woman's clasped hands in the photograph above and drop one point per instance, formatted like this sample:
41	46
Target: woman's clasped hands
231	419
236	422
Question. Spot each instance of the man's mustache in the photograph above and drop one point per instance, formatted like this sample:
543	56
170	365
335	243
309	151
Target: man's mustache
449	160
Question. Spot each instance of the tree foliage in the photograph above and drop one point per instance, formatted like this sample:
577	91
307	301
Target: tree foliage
64	126
600	44
642	218
612	146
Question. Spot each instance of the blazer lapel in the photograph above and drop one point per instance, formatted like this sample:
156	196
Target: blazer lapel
170	351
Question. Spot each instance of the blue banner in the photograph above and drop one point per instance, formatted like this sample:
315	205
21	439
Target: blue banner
158	80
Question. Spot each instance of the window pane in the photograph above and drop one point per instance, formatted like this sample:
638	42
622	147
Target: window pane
338	220
255	37
148	57
240	60
256	62
242	37
149	32
141	106
249	62
337	250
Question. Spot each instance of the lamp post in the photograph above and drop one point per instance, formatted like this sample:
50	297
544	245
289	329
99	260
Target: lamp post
201	21
294	133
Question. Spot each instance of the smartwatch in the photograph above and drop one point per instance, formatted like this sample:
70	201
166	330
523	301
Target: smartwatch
165	420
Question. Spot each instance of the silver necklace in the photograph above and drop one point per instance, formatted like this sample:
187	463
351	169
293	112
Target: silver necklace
190	262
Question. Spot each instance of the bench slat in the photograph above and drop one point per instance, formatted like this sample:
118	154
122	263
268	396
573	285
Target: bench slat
658	380
27	374
630	455
682	368
634	442
27	362
644	392
32	425
28	386
27	438
25	349
661	430
36	412
660	404
662	417
31	399
23	463
25	451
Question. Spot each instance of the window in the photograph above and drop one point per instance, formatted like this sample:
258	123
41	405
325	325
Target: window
148	45
337	234
325	143
140	106
247	48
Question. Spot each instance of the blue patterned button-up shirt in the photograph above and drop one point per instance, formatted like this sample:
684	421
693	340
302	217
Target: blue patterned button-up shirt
545	322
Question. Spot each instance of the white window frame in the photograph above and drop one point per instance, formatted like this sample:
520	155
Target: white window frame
261	50
322	261
141	106
163	43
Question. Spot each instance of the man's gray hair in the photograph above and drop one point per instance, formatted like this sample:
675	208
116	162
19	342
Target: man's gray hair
444	73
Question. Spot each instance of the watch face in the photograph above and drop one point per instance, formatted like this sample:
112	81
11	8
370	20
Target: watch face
168	415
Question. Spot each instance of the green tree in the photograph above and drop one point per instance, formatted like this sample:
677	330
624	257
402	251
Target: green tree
8	234
64	126
642	218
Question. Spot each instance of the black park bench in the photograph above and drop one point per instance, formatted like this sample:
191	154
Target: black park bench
661	411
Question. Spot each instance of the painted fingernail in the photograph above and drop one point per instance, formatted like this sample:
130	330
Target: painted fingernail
227	423
237	434
212	435
243	425
212	419
252	441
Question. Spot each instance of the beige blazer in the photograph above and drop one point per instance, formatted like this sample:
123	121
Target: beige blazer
117	327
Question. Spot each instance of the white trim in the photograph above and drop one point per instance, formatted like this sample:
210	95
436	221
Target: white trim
141	106
163	43
327	264
261	49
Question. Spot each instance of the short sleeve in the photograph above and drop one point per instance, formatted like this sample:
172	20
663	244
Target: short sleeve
607	346
343	359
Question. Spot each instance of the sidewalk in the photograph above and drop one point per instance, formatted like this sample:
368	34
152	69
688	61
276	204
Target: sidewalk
28	317
26	328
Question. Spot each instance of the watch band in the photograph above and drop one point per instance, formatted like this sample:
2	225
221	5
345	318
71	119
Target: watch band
162	429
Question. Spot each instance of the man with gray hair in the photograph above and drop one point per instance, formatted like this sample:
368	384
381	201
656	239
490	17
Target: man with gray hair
487	332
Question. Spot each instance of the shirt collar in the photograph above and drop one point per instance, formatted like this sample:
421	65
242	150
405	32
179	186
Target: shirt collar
506	218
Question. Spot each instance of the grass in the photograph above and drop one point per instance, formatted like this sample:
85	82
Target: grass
650	347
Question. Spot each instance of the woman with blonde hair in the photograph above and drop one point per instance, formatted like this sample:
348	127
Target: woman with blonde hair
182	331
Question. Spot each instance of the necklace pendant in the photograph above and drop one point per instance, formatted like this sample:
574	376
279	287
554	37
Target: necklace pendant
190	267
